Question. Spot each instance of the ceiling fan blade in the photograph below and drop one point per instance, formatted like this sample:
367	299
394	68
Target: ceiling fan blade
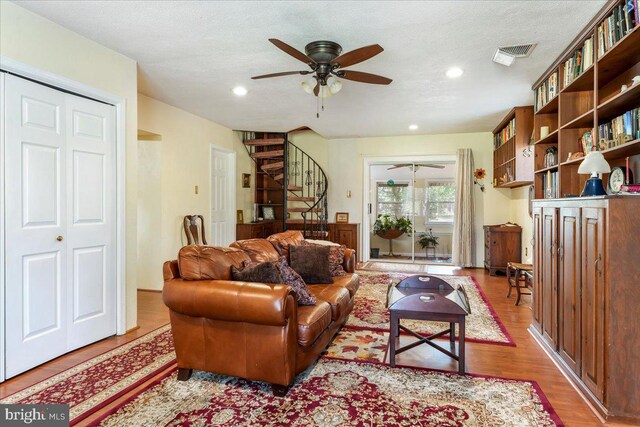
430	166
356	56
292	51
399	166
359	76
316	90
286	73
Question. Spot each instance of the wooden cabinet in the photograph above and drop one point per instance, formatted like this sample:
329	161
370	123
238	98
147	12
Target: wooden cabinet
569	265
549	277
502	244
345	234
587	297
257	230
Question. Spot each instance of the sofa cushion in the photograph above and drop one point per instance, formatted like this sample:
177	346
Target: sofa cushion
311	262
293	279
259	250
282	241
209	262
349	281
259	272
337	297
336	256
313	320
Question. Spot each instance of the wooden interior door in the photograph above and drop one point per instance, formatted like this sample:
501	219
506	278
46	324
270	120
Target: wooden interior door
569	274
538	268
549	276
593	299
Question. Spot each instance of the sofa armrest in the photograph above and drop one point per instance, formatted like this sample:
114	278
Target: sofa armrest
349	263
258	303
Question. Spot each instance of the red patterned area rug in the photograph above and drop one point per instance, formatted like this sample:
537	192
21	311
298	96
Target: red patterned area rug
483	324
338	393
95	383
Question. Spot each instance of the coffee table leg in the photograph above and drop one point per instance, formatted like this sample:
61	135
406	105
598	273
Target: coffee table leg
452	332
461	367
392	340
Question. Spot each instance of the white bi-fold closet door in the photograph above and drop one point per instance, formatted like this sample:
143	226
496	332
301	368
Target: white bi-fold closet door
60	223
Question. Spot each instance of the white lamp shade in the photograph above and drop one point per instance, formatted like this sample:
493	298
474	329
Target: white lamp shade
594	163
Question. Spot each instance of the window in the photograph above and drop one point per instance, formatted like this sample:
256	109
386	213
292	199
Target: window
394	200
440	201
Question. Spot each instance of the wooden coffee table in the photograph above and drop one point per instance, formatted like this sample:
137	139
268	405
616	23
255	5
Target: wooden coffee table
424	297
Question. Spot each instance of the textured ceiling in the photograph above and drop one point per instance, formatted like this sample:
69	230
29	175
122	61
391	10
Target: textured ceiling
191	54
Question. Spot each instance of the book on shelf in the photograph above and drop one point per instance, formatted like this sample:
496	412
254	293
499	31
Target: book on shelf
580	61
620	130
505	134
546	91
550	185
621	22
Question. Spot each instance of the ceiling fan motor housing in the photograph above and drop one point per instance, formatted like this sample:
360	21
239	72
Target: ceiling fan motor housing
323	52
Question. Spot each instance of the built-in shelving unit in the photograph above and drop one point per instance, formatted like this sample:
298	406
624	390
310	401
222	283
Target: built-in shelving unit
588	95
512	156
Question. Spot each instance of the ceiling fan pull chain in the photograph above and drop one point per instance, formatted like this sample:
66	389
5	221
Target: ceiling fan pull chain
317	107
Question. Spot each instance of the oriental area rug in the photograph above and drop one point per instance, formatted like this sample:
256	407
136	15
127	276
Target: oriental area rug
369	312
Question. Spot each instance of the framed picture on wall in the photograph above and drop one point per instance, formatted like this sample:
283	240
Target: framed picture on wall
268	213
246	180
342	217
240	216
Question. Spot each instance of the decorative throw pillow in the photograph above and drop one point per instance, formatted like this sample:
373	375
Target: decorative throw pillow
259	272
311	262
336	256
293	279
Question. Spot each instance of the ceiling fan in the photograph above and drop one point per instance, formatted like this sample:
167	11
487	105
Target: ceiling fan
325	59
416	166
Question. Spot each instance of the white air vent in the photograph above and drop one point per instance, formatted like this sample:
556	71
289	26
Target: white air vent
519	51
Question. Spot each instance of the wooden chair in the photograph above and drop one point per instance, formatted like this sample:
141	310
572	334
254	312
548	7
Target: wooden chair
516	278
190	223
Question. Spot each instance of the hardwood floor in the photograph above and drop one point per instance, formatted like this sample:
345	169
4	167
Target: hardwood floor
525	361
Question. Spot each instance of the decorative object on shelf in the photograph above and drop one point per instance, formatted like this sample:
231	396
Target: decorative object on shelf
623	88
391	183
246	180
631	188
342	217
619	176
239	216
478	176
255	212
428	241
268	213
509	174
586	143
576	156
594	164
544	132
551	157
635	80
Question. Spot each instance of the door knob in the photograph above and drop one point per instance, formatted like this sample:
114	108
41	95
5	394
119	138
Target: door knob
59	238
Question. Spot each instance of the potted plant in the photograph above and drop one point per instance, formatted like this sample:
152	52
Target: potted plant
428	240
391	228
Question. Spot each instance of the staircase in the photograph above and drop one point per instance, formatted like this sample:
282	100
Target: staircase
301	180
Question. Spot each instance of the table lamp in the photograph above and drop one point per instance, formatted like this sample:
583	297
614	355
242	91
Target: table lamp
594	164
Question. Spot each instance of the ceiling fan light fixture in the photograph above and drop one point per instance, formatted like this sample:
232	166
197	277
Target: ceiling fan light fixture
308	85
334	85
239	91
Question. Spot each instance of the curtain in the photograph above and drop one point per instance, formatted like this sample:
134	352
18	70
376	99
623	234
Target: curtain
463	245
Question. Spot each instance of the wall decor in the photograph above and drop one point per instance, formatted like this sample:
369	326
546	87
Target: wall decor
342	217
268	213
240	217
246	180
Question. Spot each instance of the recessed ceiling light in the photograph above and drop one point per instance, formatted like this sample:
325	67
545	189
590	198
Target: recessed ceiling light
240	91
454	72
413	127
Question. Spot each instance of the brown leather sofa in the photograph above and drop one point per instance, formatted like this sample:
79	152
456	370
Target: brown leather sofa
250	330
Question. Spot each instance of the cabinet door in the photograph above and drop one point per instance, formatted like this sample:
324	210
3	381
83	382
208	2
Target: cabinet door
549	277
538	268
593	303
569	273
257	231
269	229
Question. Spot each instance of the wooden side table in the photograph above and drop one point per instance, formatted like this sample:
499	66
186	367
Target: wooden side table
516	278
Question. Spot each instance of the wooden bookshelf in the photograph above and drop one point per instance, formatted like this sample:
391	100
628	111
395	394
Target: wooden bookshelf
592	98
512	158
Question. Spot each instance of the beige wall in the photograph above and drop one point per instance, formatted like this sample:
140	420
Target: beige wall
185	155
346	159
520	215
38	42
